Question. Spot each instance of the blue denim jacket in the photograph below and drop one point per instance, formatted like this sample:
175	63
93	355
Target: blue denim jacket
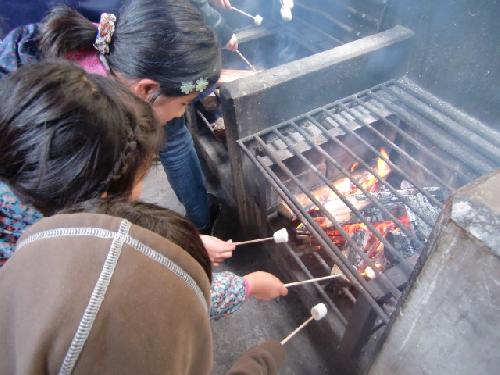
18	48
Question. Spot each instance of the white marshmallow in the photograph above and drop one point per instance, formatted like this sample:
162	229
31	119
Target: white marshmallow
258	20
319	311
286	14
280	236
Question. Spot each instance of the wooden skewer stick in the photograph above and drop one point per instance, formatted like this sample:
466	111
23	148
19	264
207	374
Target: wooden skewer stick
245	60
318	312
242	12
313	280
253	241
296	330
256	19
278	237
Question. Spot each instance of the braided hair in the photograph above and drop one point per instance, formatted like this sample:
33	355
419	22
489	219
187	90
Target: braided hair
68	136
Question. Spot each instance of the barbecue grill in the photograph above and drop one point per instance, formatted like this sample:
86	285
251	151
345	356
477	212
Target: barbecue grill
357	147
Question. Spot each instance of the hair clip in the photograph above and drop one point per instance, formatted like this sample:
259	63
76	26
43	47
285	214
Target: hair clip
201	84
188	87
105	32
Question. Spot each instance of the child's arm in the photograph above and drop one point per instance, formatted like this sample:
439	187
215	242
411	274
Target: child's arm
214	19
218	250
229	291
222	4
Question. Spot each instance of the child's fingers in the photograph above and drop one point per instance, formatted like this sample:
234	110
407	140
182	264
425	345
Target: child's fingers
283	291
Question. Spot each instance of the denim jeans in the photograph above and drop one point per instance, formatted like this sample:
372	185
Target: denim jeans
182	166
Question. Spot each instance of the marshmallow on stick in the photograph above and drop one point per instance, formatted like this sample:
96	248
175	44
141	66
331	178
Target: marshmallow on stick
318	312
286	10
314	280
256	19
279	236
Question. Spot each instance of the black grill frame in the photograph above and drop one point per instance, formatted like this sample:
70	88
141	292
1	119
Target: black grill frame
473	146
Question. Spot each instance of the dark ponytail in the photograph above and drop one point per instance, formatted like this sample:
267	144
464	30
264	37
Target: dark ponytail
69	136
163	40
64	30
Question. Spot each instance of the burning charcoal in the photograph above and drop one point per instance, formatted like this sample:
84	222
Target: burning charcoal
419	200
361	238
343	214
402	243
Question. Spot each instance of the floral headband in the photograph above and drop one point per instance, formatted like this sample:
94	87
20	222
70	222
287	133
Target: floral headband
188	87
105	32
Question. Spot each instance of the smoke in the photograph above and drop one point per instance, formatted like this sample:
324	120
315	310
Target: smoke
316	26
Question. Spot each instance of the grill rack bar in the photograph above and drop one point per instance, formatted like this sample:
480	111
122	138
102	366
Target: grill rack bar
319	233
354	209
386	96
425	127
380	179
408	138
387	283
361	188
387	160
318	286
398	149
481	145
459	117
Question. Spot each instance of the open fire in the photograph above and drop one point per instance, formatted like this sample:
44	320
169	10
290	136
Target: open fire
349	231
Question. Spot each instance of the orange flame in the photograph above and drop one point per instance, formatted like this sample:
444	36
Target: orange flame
369	272
373	247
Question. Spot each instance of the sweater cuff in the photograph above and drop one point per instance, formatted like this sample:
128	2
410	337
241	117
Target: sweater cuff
248	288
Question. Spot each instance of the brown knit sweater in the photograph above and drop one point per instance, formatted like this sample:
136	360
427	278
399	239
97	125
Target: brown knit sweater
93	294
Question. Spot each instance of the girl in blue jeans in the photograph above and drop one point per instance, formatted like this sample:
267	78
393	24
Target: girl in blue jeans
161	50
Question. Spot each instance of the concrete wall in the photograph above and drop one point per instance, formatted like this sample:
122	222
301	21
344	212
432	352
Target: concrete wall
456	52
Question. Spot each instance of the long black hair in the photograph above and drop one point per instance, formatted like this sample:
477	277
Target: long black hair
163	40
68	136
162	221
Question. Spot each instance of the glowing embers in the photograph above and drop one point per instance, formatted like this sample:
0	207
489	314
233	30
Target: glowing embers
363	215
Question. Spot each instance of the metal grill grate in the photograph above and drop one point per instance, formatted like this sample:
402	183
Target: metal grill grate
431	149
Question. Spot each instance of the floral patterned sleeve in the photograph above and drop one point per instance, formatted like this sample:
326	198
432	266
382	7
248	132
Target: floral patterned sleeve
15	217
228	292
